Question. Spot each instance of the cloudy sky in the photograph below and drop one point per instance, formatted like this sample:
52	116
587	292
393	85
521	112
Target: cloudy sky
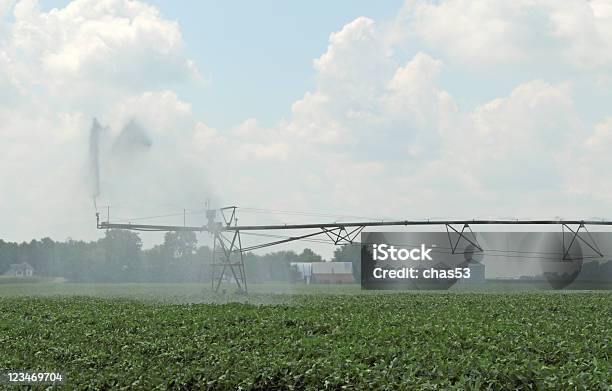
416	109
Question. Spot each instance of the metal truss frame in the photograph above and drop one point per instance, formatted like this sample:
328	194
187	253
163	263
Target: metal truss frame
462	235
575	234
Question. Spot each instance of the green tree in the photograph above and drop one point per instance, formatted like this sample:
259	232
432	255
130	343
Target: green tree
308	255
180	244
123	250
350	253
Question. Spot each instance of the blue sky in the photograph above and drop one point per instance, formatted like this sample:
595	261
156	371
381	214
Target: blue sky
263	49
256	56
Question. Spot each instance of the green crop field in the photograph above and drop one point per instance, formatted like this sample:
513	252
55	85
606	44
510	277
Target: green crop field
430	341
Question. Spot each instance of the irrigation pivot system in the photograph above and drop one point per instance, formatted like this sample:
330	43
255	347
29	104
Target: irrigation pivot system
228	251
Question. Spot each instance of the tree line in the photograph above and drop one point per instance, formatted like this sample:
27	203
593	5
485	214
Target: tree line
120	257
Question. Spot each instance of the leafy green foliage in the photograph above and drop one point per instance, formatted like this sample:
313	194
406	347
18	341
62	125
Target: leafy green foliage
180	244
374	341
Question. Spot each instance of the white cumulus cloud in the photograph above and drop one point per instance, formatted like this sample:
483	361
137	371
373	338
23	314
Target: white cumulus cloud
90	48
489	32
61	68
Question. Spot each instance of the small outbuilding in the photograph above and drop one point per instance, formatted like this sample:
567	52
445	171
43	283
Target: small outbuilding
22	269
332	272
304	269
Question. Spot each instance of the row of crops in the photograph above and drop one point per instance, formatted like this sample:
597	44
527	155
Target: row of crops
401	341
